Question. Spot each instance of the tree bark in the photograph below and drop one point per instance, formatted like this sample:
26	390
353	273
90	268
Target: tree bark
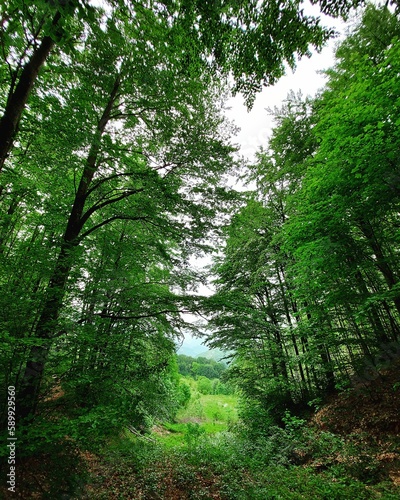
28	394
18	96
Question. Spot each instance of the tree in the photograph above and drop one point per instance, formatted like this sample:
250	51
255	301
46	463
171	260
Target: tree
307	287
26	46
143	142
121	146
251	40
348	198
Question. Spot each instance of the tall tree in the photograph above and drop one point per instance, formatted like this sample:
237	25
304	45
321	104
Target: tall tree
149	147
250	40
315	255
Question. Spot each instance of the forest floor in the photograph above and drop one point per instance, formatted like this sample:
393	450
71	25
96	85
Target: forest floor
360	427
369	414
349	450
366	418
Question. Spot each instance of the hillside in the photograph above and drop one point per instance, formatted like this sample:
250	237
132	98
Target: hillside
215	354
192	346
195	347
355	434
368	415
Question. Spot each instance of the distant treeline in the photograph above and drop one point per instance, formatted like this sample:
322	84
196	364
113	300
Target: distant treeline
204	367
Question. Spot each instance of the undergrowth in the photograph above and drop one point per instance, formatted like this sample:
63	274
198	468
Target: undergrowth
291	463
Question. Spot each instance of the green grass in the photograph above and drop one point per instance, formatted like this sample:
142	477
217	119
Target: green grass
224	465
219	408
209	409
213	413
202	453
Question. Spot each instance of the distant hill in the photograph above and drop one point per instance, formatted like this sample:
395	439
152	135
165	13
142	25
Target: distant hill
215	354
192	347
195	348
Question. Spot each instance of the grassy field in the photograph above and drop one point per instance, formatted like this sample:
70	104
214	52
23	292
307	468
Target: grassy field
207	413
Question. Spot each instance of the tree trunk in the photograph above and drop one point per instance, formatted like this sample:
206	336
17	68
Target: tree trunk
18	96
303	384
381	261
325	356
45	331
28	393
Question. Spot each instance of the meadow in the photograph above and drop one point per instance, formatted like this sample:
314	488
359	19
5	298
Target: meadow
204	414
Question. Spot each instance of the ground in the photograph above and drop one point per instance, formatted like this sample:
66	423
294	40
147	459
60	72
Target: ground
366	417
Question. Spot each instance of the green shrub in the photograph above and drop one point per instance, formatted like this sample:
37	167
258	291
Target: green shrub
193	433
204	385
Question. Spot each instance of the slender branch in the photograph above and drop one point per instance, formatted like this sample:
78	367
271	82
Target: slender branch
107	221
139	435
142	316
98	206
120	317
106	179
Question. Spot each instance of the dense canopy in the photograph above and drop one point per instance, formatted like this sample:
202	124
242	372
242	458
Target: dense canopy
118	166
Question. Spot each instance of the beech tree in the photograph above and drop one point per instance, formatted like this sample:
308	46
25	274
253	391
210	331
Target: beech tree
321	239
144	149
252	41
112	129
276	354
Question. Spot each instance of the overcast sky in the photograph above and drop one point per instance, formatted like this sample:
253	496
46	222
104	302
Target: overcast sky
256	125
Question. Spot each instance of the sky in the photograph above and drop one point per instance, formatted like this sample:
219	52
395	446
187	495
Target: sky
256	125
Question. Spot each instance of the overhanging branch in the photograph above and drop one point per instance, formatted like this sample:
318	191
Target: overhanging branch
108	221
120	317
106	179
98	206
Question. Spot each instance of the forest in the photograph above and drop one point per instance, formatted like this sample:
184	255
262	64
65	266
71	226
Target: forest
118	169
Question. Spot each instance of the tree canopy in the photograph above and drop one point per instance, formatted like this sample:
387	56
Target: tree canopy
308	284
251	41
115	152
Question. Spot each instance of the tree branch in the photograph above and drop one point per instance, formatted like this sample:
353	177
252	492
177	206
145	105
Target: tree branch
111	177
139	435
137	316
98	206
107	221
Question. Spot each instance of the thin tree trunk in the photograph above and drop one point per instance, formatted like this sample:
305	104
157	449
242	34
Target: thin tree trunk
292	336
381	261
326	360
18	96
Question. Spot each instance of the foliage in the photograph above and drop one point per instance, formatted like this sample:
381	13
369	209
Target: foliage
114	148
200	366
114	158
227	465
308	282
106	231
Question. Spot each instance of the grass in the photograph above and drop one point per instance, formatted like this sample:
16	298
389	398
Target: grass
220	466
219	408
212	412
203	453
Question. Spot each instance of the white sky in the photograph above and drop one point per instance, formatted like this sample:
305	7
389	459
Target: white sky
256	125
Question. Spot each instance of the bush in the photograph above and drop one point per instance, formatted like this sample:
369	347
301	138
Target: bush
184	394
204	385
